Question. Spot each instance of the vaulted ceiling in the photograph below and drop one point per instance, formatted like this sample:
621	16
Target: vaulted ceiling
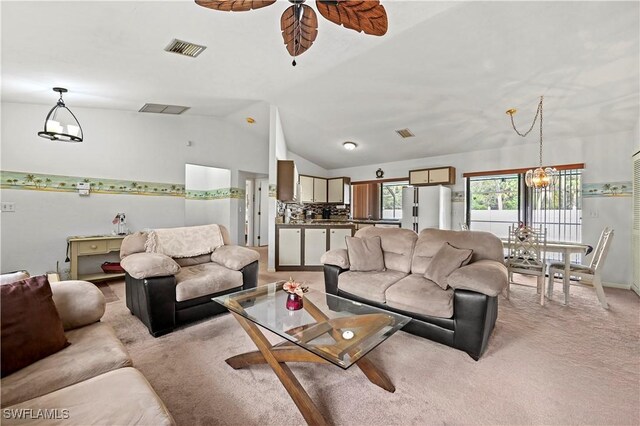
445	70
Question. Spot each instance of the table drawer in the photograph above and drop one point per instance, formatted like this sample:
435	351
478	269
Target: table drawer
113	245
90	247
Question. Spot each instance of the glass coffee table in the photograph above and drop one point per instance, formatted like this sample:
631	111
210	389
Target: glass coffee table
328	329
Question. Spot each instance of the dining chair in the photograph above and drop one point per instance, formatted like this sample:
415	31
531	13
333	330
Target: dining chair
527	251
590	273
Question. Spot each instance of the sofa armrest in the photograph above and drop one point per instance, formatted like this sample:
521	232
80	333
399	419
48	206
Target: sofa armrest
484	276
331	274
250	275
234	257
337	257
147	265
79	303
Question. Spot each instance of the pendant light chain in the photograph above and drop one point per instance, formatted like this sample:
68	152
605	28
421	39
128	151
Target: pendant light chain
540	110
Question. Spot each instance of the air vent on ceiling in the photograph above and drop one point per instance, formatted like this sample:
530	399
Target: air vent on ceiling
405	133
164	109
184	48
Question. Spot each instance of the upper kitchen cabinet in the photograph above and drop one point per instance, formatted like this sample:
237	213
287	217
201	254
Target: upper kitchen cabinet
434	176
313	189
287	189
339	190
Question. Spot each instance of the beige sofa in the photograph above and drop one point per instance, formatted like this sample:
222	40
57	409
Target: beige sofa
89	382
461	316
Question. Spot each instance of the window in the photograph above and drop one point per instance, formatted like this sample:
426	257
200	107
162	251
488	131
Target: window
495	201
392	199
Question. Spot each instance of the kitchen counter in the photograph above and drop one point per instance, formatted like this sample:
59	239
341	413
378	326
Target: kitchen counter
339	222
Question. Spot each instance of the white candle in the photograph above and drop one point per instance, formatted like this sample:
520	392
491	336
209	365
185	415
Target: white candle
54	126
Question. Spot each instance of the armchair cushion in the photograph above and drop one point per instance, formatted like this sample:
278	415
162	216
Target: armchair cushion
365	254
337	257
484	276
133	243
445	261
31	326
79	303
12	277
234	257
146	265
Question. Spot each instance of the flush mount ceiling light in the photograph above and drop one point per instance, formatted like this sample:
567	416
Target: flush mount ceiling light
350	146
61	124
299	22
539	178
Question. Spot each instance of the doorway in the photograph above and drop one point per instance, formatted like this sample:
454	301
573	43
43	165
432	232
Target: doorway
261	212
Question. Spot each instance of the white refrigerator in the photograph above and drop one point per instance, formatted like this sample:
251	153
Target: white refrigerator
426	207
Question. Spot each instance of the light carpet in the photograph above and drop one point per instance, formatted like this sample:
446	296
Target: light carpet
576	364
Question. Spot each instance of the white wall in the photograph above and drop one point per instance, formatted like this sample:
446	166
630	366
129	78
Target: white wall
203	212
306	167
606	159
118	145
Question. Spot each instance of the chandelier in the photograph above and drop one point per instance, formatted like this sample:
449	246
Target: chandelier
538	178
61	124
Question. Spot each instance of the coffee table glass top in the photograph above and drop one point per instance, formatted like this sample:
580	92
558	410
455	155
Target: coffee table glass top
337	329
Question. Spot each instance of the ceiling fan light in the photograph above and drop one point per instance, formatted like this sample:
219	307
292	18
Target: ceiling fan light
350	146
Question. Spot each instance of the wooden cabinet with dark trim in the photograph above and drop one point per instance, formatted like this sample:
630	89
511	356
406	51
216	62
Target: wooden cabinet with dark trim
299	247
339	190
433	176
287	188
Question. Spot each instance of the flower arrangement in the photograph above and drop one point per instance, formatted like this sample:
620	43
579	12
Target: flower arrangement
295	288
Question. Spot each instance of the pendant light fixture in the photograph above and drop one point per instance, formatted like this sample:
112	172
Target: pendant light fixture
61	124
539	178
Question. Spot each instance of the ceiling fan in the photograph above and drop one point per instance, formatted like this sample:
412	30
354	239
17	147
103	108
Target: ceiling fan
299	22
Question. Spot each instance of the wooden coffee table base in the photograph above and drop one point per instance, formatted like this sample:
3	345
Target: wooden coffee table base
277	357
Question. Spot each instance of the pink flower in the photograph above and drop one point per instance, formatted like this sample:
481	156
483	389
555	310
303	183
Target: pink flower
294	287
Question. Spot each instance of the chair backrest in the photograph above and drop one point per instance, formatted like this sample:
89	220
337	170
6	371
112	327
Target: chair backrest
527	246
600	253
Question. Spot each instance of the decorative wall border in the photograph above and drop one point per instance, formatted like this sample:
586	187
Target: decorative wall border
608	189
60	183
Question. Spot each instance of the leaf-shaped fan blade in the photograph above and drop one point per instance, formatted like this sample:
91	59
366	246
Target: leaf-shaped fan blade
299	24
234	5
368	15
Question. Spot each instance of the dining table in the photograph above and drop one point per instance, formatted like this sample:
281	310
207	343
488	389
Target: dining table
565	248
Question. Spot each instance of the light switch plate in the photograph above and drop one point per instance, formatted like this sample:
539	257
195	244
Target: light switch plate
8	207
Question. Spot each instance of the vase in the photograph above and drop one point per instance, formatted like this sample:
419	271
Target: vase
294	302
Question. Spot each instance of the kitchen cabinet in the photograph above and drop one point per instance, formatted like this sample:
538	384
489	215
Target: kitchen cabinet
287	181
433	176
289	246
339	190
366	201
300	247
313	189
315	245
306	189
336	237
319	190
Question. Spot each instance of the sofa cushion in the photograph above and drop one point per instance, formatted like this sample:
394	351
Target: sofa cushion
365	254
120	397
147	265
369	285
79	303
31	326
416	294
397	246
195	260
445	261
12	277
234	257
207	278
94	350
484	276
133	243
485	245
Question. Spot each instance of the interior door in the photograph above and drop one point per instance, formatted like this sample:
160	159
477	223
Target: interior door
261	209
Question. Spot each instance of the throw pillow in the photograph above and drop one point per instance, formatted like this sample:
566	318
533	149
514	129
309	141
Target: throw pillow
365	254
31	326
444	262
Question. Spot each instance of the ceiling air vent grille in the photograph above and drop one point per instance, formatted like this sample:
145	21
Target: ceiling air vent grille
184	48
164	109
405	133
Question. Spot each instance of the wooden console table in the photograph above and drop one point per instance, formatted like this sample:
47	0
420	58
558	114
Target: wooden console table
89	246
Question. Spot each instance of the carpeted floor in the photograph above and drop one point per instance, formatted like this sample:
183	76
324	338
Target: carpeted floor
576	364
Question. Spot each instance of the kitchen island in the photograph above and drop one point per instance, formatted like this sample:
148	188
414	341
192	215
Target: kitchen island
301	243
